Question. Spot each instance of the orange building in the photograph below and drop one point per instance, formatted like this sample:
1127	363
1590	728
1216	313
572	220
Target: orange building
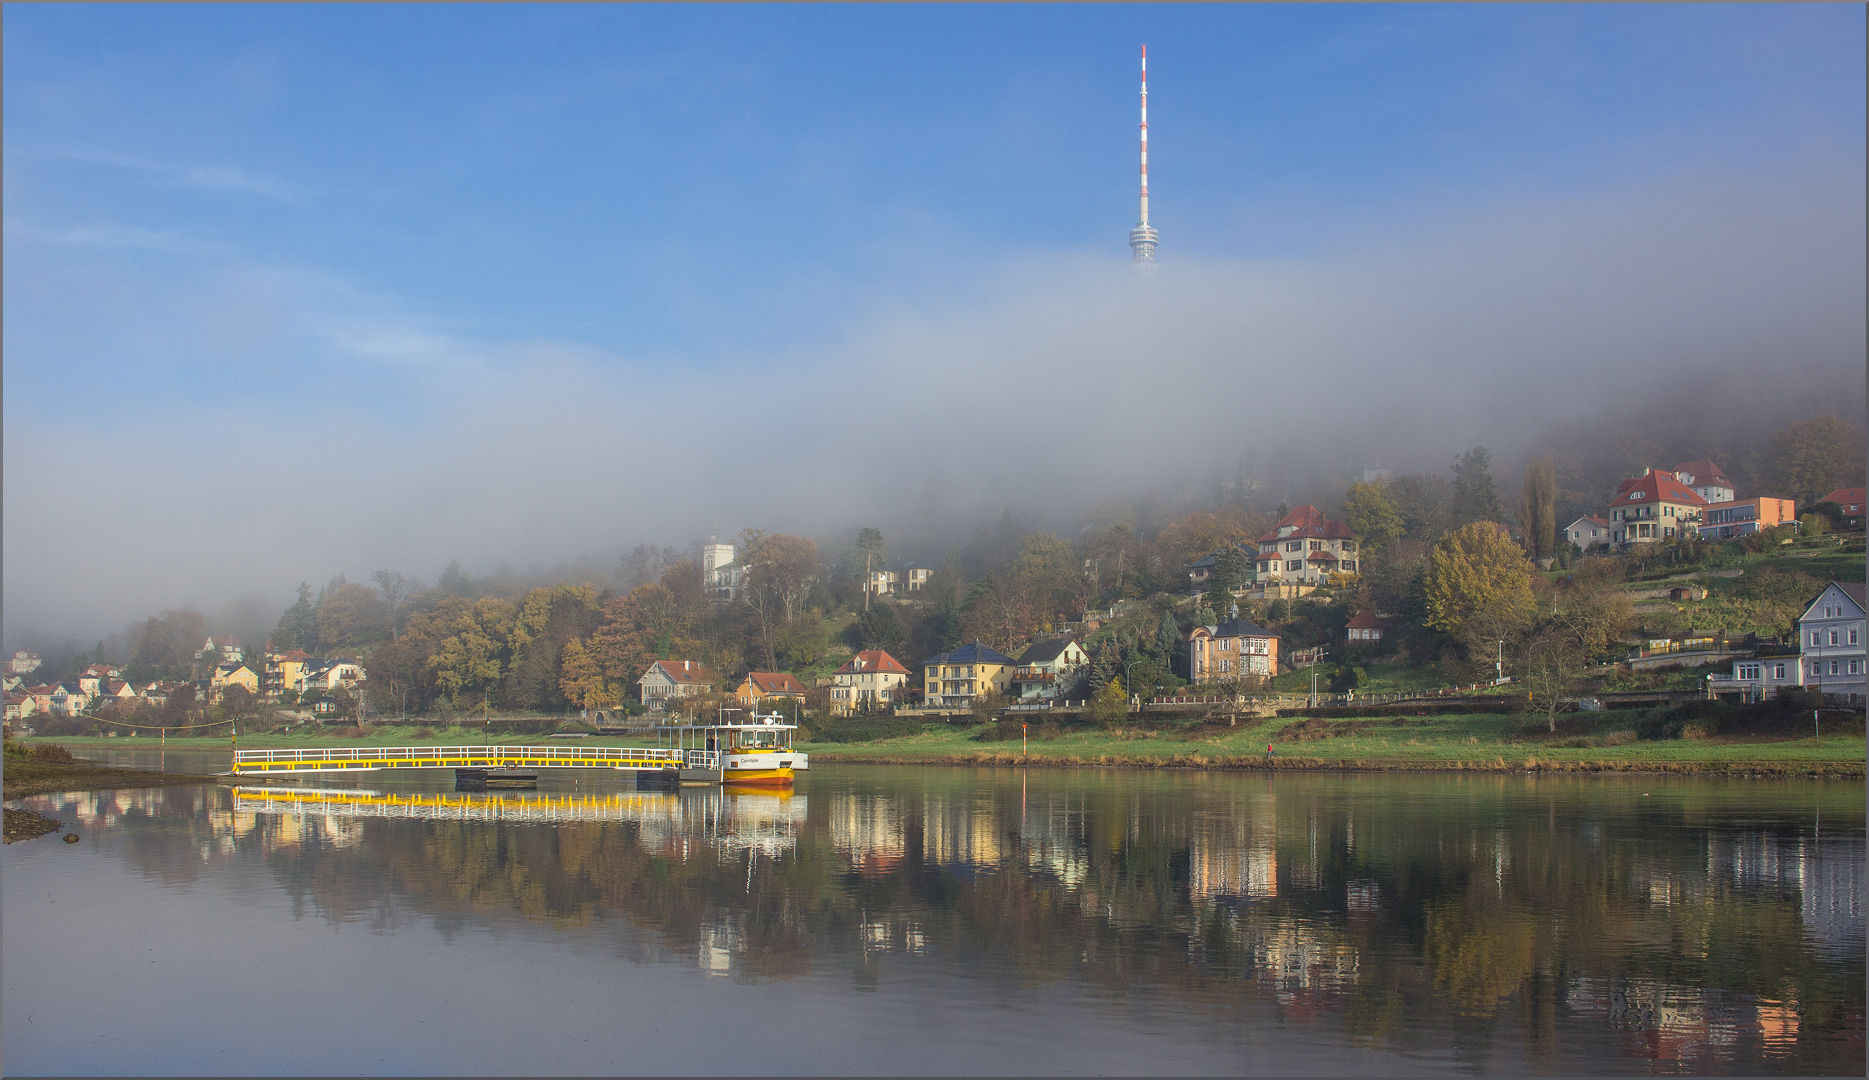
1723	521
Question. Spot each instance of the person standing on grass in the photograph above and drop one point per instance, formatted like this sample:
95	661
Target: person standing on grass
1268	752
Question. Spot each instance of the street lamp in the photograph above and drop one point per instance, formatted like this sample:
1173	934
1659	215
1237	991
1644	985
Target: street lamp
1499	664
1129	683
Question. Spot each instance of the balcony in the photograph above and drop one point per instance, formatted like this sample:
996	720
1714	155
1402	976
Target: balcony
1034	675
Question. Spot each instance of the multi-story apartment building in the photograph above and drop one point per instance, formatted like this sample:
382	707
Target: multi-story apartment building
1306	547
954	679
1725	520
1653	507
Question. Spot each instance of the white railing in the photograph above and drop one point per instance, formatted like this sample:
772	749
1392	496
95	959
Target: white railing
701	759
417	757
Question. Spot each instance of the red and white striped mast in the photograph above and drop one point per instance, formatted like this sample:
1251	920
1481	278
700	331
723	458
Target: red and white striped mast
1142	238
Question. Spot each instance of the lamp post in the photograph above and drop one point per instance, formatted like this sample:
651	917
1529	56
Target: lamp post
1129	684
1499	664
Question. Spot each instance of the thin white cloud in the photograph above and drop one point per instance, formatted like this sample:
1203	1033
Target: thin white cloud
201	176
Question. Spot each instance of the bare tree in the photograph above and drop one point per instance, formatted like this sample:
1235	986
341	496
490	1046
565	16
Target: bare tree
396	589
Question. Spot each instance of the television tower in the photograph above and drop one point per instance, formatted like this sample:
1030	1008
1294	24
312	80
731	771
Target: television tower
1142	238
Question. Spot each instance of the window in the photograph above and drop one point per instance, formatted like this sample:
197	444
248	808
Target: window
1778	672
1833	668
1295	545
1293	564
1748	671
1833	637
1852	636
1853	669
1317	545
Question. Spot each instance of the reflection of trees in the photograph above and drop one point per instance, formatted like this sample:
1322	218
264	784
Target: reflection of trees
1391	907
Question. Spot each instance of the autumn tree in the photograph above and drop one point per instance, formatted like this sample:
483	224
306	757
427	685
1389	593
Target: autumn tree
164	645
1538	507
1372	515
581	679
1814	457
1589	615
350	615
1477	586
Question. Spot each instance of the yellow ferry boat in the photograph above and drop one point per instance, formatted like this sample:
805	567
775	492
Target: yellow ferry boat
754	752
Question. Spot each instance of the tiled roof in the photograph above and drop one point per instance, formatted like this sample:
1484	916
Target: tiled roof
1654	486
1702	472
684	671
1310	522
1320	556
871	661
775	682
973	653
1367	620
1845	497
1590	519
1241	628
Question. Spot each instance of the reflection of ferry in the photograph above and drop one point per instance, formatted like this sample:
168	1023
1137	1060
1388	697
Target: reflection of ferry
730	821
757	752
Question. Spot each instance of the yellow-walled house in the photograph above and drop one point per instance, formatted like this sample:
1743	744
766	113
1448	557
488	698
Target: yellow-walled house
954	679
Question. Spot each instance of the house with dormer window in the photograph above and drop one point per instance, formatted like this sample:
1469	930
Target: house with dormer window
1305	548
1653	508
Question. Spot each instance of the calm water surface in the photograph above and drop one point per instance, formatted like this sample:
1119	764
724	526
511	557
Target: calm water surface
937	920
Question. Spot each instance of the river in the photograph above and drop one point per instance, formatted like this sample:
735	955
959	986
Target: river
896	919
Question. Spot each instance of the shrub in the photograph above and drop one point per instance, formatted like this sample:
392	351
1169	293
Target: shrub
1619	738
422	733
44	752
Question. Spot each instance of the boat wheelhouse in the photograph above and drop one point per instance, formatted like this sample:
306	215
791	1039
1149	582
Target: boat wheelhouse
755	750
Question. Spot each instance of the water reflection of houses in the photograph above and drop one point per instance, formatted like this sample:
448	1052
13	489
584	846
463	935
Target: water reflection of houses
961	835
1054	835
1233	852
1827	878
867	830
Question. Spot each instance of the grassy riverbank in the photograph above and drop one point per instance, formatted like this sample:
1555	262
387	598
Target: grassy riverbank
1590	742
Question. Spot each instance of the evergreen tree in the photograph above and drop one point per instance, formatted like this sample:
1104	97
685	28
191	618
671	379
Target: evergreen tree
453	580
1167	639
297	628
1475	497
1102	667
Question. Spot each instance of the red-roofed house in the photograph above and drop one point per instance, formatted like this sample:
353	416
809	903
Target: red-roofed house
1306	547
1366	628
668	679
760	685
1653	507
1850	501
870	679
1707	479
1588	531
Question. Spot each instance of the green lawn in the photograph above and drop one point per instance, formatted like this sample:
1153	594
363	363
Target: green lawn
1486	740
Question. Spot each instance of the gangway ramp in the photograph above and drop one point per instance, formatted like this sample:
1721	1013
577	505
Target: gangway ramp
329	759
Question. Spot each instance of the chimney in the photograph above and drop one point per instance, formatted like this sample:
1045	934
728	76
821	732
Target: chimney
684	665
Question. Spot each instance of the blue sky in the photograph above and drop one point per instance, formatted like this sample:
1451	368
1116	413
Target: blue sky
333	226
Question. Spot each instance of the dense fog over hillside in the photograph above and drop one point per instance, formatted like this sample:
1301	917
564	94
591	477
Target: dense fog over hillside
1067	385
